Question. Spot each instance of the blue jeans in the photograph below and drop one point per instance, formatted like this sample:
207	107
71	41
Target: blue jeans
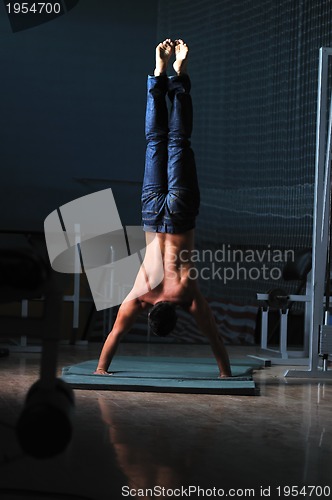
170	193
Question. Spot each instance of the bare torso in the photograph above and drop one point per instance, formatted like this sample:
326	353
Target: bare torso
165	271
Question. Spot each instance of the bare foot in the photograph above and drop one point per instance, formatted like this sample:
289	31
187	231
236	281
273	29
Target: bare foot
163	53
181	57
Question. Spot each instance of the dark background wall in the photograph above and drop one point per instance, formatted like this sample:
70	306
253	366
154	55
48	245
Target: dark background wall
254	69
73	101
72	107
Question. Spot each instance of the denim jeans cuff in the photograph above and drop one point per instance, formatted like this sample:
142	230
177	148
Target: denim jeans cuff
179	82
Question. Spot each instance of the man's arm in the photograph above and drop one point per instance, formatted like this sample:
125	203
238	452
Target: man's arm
125	319
202	313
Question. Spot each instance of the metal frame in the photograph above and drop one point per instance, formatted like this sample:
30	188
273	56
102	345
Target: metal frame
76	298
321	220
283	355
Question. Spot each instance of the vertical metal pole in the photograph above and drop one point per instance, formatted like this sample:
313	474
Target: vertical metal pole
77	284
264	329
24	314
319	243
48	363
307	317
283	333
111	290
77	277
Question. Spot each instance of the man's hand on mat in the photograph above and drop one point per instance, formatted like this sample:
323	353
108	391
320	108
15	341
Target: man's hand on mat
100	371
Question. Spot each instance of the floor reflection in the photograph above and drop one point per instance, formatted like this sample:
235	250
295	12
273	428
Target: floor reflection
173	441
147	453
142	440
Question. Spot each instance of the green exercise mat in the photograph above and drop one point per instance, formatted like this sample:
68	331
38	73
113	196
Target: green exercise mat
164	374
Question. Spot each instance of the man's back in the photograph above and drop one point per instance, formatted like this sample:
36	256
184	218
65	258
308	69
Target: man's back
174	264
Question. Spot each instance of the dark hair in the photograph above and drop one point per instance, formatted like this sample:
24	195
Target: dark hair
162	318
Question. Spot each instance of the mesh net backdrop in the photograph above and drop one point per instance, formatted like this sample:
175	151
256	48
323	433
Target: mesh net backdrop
254	71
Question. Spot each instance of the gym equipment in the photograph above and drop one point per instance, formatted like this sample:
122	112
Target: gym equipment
44	427
318	287
279	299
320	345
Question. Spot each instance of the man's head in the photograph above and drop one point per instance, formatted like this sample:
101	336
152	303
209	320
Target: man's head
162	318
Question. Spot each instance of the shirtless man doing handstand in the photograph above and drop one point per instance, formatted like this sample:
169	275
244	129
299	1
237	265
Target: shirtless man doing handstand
170	203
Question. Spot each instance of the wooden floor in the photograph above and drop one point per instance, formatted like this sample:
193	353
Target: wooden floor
149	440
